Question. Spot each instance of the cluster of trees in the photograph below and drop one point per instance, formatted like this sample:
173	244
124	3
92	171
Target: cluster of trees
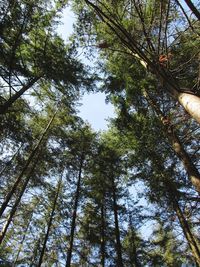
73	197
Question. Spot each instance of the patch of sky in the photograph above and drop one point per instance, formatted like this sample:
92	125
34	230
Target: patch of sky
93	108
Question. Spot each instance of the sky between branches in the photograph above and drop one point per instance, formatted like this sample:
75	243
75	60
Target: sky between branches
93	108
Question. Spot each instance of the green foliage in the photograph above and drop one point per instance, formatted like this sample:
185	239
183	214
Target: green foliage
130	176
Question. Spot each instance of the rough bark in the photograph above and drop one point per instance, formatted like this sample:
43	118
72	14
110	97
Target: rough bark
73	223
29	160
177	146
4	108
117	232
49	224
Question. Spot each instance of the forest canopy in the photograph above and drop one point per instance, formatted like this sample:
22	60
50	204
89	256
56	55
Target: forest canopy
128	196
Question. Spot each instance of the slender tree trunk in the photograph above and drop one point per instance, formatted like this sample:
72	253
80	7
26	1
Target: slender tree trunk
16	204
133	256
22	241
193	243
133	253
19	178
73	223
117	232
102	235
191	103
193	8
177	146
36	249
49	223
4	108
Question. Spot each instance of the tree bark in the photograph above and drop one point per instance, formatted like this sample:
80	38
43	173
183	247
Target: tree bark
16	204
190	103
133	253
23	238
4	108
19	178
177	146
73	223
102	235
193	8
117	232
49	223
192	241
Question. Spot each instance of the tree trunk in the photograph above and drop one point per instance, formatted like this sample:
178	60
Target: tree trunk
133	253
191	103
193	243
4	108
193	8
177	146
22	241
73	223
50	223
19	178
117	232
102	235
16	204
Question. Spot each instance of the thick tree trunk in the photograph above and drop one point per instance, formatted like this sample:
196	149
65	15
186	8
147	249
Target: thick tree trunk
16	204
117	232
192	241
49	223
19	178
102	235
73	223
177	146
4	108
193	8
191	103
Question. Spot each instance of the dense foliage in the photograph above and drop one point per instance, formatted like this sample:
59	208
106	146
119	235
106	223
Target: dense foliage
128	196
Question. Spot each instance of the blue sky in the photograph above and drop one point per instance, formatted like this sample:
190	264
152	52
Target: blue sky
93	108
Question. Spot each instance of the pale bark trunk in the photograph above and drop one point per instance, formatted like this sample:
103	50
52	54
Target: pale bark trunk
191	104
49	224
19	178
73	223
177	146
